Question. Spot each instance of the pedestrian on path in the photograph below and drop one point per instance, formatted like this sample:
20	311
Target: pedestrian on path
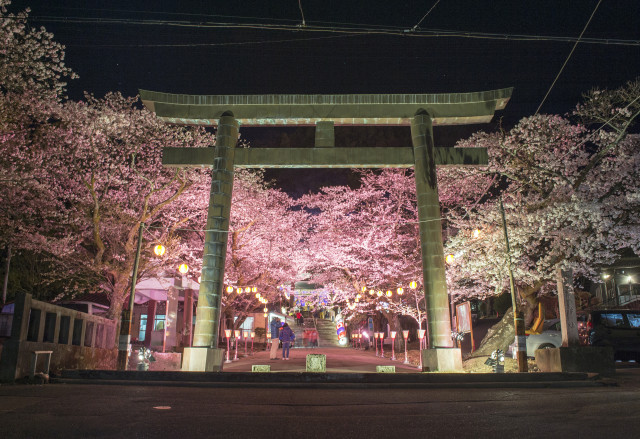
275	338
286	336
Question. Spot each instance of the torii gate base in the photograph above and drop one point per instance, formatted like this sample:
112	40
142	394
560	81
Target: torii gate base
442	360
417	110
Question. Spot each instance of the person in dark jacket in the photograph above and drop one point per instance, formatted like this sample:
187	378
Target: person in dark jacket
275	341
286	336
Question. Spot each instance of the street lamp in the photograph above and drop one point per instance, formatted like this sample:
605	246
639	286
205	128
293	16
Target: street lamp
393	345
237	334
227	333
421	337
405	334
159	250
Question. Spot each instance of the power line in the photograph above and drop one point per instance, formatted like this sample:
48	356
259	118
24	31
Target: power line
425	15
344	29
567	60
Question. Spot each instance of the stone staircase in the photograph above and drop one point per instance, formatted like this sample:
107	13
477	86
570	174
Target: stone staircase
327	336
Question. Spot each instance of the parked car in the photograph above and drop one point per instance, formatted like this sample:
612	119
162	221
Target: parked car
550	337
618	328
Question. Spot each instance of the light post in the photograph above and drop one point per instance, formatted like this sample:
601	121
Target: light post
253	334
237	334
246	339
227	333
375	336
393	345
421	337
405	335
124	342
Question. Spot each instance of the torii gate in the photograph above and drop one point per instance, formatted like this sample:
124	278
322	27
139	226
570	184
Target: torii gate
420	111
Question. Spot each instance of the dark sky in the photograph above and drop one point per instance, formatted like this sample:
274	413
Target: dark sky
142	50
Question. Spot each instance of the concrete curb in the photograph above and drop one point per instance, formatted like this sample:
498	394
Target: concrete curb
331	380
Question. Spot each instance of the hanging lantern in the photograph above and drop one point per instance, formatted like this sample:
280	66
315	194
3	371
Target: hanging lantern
476	233
159	250
257	295
229	289
379	293
183	268
371	292
413	284
364	288
247	290
450	259
239	290
389	293
254	289
265	309
400	291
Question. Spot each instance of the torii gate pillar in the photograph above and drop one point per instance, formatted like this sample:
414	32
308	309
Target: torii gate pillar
442	356
204	355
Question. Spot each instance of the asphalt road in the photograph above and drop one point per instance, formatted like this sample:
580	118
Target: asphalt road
116	411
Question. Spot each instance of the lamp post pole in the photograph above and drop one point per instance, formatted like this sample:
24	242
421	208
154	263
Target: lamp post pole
518	316
375	336
405	335
393	345
237	334
127	315
227	333
421	337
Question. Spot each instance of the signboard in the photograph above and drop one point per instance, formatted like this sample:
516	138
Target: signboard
463	321
463	314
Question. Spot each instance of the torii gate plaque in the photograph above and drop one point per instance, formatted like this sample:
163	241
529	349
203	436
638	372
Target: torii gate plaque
420	111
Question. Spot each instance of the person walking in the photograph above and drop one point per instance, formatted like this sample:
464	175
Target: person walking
286	336
275	338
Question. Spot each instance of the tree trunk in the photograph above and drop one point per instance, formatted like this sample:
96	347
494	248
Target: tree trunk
5	284
499	336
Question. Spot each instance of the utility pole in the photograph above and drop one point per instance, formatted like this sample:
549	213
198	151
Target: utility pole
127	314
518	316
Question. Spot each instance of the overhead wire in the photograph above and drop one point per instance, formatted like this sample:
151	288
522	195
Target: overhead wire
345	29
568	57
425	15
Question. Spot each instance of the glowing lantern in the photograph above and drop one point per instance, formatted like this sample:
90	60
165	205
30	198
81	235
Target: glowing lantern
159	250
264	315
389	293
450	259
400	291
413	284
476	233
265	309
254	289
364	289
229	289
257	295
239	290
183	268
247	290
379	293
371	292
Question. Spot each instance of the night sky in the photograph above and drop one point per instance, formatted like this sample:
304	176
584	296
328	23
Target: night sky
143	50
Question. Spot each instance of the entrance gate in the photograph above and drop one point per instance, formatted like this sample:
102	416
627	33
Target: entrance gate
419	111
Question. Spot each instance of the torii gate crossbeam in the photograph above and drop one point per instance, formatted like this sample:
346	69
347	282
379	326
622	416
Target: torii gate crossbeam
420	111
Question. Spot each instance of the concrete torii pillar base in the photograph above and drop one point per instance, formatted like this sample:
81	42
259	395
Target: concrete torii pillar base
442	360
202	359
597	359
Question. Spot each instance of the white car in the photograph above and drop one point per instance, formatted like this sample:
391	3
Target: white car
550	337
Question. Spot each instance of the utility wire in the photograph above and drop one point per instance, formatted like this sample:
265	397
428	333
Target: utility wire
425	16
301	13
567	60
345	29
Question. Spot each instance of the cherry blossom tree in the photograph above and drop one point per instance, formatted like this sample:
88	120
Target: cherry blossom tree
570	193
